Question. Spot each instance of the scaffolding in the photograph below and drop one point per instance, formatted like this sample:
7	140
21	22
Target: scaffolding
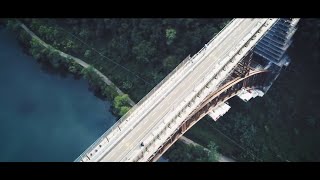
273	46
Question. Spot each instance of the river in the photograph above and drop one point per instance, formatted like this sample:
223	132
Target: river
44	116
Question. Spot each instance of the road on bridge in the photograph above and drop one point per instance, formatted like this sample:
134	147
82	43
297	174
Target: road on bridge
221	46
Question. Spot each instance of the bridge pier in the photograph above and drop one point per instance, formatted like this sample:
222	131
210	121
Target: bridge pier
219	96
220	78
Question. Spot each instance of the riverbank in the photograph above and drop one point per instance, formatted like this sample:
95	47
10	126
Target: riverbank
45	116
82	63
101	84
58	59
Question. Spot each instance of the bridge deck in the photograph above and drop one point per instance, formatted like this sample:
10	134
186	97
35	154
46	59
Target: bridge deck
218	50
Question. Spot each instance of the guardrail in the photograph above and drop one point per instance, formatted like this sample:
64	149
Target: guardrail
149	95
204	82
204	47
124	117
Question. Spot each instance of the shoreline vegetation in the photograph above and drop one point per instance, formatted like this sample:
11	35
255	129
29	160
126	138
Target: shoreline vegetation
136	54
50	55
45	53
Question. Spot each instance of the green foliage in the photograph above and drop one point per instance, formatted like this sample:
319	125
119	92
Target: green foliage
121	104
170	62
121	100
181	152
35	43
35	48
87	73
74	67
156	77
84	34
127	85
138	44
144	51
282	125
70	45
151	49
38	51
93	78
12	24
109	92
170	35
24	37
186	153
126	41
123	110
213	152
87	54
35	23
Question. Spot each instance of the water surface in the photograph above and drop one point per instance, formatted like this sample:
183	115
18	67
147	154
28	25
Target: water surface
44	116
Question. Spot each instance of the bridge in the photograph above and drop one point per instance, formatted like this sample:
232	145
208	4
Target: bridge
228	65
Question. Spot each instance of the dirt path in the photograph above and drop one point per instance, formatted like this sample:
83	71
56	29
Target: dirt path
77	60
222	158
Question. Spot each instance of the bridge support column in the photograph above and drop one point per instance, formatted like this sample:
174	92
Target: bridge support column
183	128
225	92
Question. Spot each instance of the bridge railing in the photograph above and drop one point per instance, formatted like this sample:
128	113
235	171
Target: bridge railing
192	58
125	117
205	81
204	47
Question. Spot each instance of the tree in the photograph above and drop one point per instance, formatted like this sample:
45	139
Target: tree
99	28
127	84
181	152
198	153
211	31
88	53
121	100
84	34
109	92
35	48
70	45
43	30
170	35
176	153
121	104
144	51
12	24
74	67
213	154
55	59
124	110
88	73
35	23
156	77
169	62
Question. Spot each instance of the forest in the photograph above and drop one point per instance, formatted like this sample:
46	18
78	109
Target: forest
282	125
189	153
136	54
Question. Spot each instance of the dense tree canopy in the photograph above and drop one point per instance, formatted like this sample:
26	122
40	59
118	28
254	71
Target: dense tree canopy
181	152
121	104
145	49
136	54
282	125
